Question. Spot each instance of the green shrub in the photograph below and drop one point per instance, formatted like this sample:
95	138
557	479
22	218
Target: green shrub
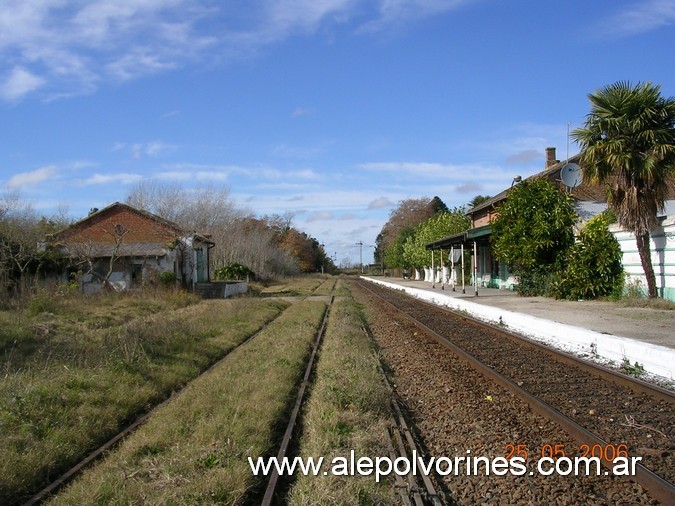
42	302
534	227
532	233
167	278
533	282
593	264
234	271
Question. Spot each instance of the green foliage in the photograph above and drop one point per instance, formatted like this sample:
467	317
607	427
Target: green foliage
593	264
636	370
167	278
437	227
535	281
393	255
42	302
234	271
628	140
478	200
534	227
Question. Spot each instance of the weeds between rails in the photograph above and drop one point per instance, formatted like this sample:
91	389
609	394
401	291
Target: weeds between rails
194	448
74	375
314	284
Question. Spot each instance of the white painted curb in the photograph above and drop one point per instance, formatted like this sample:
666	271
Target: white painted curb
655	359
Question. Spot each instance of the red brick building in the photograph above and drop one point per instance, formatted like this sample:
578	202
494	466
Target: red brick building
126	248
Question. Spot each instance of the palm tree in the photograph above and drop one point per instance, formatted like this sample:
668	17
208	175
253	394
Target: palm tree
628	141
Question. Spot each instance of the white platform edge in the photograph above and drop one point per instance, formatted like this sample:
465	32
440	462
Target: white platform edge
655	359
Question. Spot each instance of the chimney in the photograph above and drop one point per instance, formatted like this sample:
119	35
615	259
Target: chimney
550	157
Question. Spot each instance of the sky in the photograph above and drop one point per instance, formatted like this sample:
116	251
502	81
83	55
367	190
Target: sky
332	110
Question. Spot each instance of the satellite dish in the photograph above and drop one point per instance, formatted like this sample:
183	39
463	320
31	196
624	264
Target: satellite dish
571	175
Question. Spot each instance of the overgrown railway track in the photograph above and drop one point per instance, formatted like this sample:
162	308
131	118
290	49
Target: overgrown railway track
606	411
98	453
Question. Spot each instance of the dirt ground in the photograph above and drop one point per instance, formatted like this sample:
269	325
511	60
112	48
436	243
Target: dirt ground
656	326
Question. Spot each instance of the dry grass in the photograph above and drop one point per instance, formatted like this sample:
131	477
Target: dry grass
348	410
195	448
297	286
647	303
327	287
75	370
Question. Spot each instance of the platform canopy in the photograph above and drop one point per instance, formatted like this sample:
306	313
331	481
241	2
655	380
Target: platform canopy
480	235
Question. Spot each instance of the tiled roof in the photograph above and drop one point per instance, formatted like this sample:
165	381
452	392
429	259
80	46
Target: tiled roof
584	192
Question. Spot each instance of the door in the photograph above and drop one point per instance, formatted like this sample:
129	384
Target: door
201	271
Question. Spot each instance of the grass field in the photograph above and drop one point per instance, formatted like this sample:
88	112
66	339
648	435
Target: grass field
194	449
75	370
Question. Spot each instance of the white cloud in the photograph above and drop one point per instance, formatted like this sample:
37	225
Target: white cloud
218	171
20	82
525	156
303	111
142	149
69	47
171	114
380	203
102	179
287	16
319	216
397	12
131	66
641	17
433	170
32	178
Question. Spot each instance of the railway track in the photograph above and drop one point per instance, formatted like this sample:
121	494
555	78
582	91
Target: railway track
412	489
273	483
72	473
604	411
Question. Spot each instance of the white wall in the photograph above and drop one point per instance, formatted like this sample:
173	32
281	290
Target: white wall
662	246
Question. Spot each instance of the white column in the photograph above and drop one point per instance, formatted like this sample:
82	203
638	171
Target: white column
463	288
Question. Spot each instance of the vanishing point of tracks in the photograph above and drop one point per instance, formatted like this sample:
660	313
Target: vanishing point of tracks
603	411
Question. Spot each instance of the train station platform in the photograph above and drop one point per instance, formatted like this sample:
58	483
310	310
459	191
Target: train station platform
604	331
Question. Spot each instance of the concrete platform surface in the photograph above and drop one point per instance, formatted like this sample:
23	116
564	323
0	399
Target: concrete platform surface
607	330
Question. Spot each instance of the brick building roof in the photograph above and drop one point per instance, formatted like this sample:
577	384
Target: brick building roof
139	233
586	191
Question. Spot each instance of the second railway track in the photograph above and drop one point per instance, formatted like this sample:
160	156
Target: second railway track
616	409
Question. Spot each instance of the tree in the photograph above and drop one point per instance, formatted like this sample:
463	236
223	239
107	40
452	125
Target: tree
593	265
478	200
629	139
442	225
532	233
408	214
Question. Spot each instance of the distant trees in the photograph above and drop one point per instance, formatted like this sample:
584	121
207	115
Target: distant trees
402	220
629	139
21	230
478	200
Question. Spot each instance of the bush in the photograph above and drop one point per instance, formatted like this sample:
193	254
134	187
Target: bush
533	282
167	278
593	264
42	302
234	271
534	227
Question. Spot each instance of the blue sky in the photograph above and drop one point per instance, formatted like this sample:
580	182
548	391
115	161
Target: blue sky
334	110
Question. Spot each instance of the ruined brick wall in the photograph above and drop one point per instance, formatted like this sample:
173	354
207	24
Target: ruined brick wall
136	227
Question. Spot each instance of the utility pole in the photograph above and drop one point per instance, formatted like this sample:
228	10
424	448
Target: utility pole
360	245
